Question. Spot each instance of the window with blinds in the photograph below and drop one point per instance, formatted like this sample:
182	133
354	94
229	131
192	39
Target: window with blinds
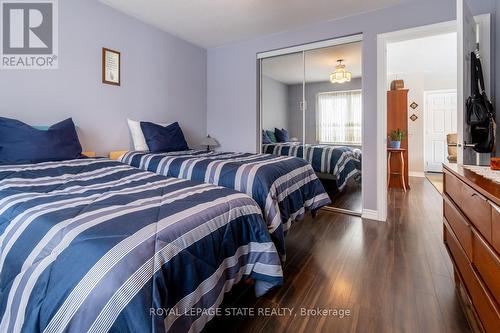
338	119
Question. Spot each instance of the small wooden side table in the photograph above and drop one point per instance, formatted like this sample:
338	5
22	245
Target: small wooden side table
401	152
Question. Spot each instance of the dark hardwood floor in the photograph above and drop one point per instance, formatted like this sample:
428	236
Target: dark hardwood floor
393	277
349	198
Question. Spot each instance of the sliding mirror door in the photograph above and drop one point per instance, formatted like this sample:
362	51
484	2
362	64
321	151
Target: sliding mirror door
333	121
311	107
281	115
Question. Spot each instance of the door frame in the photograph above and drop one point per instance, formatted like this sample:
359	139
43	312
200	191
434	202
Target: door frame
382	84
426	115
311	46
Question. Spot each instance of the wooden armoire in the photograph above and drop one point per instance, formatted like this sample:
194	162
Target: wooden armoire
397	117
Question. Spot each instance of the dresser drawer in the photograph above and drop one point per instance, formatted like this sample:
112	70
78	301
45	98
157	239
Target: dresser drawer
482	301
459	225
487	263
457	255
453	187
485	305
478	209
495	227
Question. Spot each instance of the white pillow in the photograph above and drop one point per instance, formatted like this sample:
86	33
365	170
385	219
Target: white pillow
137	135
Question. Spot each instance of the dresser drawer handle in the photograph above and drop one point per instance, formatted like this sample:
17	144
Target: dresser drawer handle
477	195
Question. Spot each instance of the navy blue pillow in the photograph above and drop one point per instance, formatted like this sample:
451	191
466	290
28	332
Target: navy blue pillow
164	139
281	135
24	144
266	140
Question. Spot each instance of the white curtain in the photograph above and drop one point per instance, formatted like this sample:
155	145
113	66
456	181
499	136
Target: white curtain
339	117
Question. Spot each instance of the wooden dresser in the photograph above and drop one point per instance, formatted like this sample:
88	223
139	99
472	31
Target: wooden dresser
472	238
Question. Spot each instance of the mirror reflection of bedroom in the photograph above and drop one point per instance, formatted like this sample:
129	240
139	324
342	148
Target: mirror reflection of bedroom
311	107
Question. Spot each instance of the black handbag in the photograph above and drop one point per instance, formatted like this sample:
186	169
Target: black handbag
483	136
480	111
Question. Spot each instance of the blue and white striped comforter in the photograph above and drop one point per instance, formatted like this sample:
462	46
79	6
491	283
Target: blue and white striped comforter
94	245
284	187
341	162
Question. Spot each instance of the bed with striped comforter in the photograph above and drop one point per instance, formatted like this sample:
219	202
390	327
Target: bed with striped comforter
284	187
340	162
96	246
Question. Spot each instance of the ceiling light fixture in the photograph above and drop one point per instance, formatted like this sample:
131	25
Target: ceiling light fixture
340	75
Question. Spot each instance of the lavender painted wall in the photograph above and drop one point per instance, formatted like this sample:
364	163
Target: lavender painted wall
274	104
232	73
163	79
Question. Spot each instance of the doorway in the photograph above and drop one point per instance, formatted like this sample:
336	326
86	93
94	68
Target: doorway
426	71
466	43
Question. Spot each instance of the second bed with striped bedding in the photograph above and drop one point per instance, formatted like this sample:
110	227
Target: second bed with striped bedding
98	246
340	162
284	187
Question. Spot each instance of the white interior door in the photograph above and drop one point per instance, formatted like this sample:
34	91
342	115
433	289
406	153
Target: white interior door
471	31
440	120
467	42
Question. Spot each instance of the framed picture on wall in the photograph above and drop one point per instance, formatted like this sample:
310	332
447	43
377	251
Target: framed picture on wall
111	66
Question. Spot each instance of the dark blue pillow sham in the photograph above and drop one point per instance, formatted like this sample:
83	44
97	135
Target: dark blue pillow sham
281	135
164	139
23	144
266	140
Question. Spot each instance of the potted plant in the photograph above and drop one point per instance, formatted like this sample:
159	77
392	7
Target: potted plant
396	137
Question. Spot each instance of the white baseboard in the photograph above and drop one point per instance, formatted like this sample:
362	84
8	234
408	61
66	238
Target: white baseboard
420	174
370	214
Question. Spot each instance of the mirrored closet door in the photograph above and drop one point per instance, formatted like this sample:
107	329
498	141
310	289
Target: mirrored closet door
282	88
321	91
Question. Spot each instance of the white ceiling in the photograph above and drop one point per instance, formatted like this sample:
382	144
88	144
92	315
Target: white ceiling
319	64
436	54
211	23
